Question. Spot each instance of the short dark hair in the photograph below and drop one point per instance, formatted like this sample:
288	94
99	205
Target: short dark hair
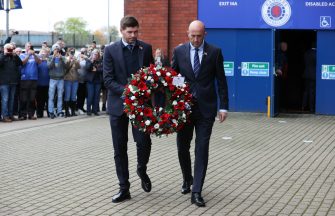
128	21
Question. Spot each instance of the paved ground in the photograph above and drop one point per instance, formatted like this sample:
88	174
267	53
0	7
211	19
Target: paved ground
258	166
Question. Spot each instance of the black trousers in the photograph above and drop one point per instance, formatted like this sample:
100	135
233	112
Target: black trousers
41	99
119	127
81	95
203	130
27	97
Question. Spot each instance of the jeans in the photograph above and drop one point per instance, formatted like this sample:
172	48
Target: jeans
70	88
53	84
93	96
7	99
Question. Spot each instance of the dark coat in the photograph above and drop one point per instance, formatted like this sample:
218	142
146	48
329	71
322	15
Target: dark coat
10	69
115	74
211	69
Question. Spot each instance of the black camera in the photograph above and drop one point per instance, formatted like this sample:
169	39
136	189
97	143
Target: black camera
15	32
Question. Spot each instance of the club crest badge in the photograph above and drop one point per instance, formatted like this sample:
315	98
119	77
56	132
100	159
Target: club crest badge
276	12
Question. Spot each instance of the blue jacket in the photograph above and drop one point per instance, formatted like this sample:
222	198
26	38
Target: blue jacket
29	71
43	74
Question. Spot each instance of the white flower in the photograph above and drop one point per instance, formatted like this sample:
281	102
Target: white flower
152	80
145	77
132	98
184	85
147	122
184	115
156	126
165	84
168	74
149	91
160	109
174	102
141	113
174	121
134	104
149	78
158	73
132	116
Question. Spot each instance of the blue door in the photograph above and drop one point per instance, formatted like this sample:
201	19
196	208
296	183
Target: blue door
325	73
251	52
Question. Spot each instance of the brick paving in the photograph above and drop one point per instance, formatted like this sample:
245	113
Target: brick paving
257	166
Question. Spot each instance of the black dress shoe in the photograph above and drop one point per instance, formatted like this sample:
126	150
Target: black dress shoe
197	200
121	196
145	181
186	187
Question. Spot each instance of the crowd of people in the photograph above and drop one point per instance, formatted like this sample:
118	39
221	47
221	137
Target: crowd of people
54	82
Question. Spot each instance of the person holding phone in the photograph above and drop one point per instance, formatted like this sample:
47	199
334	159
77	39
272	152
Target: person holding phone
56	65
9	78
28	85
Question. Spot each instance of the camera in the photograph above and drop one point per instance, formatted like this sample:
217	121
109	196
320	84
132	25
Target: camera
10	50
15	32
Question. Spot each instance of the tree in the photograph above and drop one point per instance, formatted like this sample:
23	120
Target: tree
73	31
100	37
59	27
75	25
113	33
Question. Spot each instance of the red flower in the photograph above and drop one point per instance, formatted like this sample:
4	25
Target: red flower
180	106
142	86
165	117
147	112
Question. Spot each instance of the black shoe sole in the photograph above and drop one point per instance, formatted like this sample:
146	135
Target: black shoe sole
198	204
121	200
186	191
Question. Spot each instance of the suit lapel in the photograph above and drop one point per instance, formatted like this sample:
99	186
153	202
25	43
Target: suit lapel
140	54
121	58
189	70
204	56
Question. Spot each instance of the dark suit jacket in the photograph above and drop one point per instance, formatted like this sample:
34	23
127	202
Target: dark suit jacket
115	72
211	69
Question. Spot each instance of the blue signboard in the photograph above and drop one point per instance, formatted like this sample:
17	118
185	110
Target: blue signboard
276	14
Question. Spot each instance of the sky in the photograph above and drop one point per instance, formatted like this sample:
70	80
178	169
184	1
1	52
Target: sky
40	15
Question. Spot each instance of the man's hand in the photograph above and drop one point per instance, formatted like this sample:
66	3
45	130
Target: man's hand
222	116
31	52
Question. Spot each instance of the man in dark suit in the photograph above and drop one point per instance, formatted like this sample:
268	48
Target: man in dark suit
122	59
202	66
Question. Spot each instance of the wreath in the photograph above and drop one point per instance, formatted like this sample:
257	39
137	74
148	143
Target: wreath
155	103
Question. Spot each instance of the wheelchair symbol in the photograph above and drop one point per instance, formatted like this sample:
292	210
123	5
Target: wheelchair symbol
325	21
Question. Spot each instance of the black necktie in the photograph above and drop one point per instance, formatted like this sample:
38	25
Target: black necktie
130	47
196	63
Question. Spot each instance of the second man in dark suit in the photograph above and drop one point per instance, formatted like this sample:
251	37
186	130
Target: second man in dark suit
202	65
122	59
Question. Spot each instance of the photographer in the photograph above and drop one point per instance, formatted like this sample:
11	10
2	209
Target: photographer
28	85
56	65
9	78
